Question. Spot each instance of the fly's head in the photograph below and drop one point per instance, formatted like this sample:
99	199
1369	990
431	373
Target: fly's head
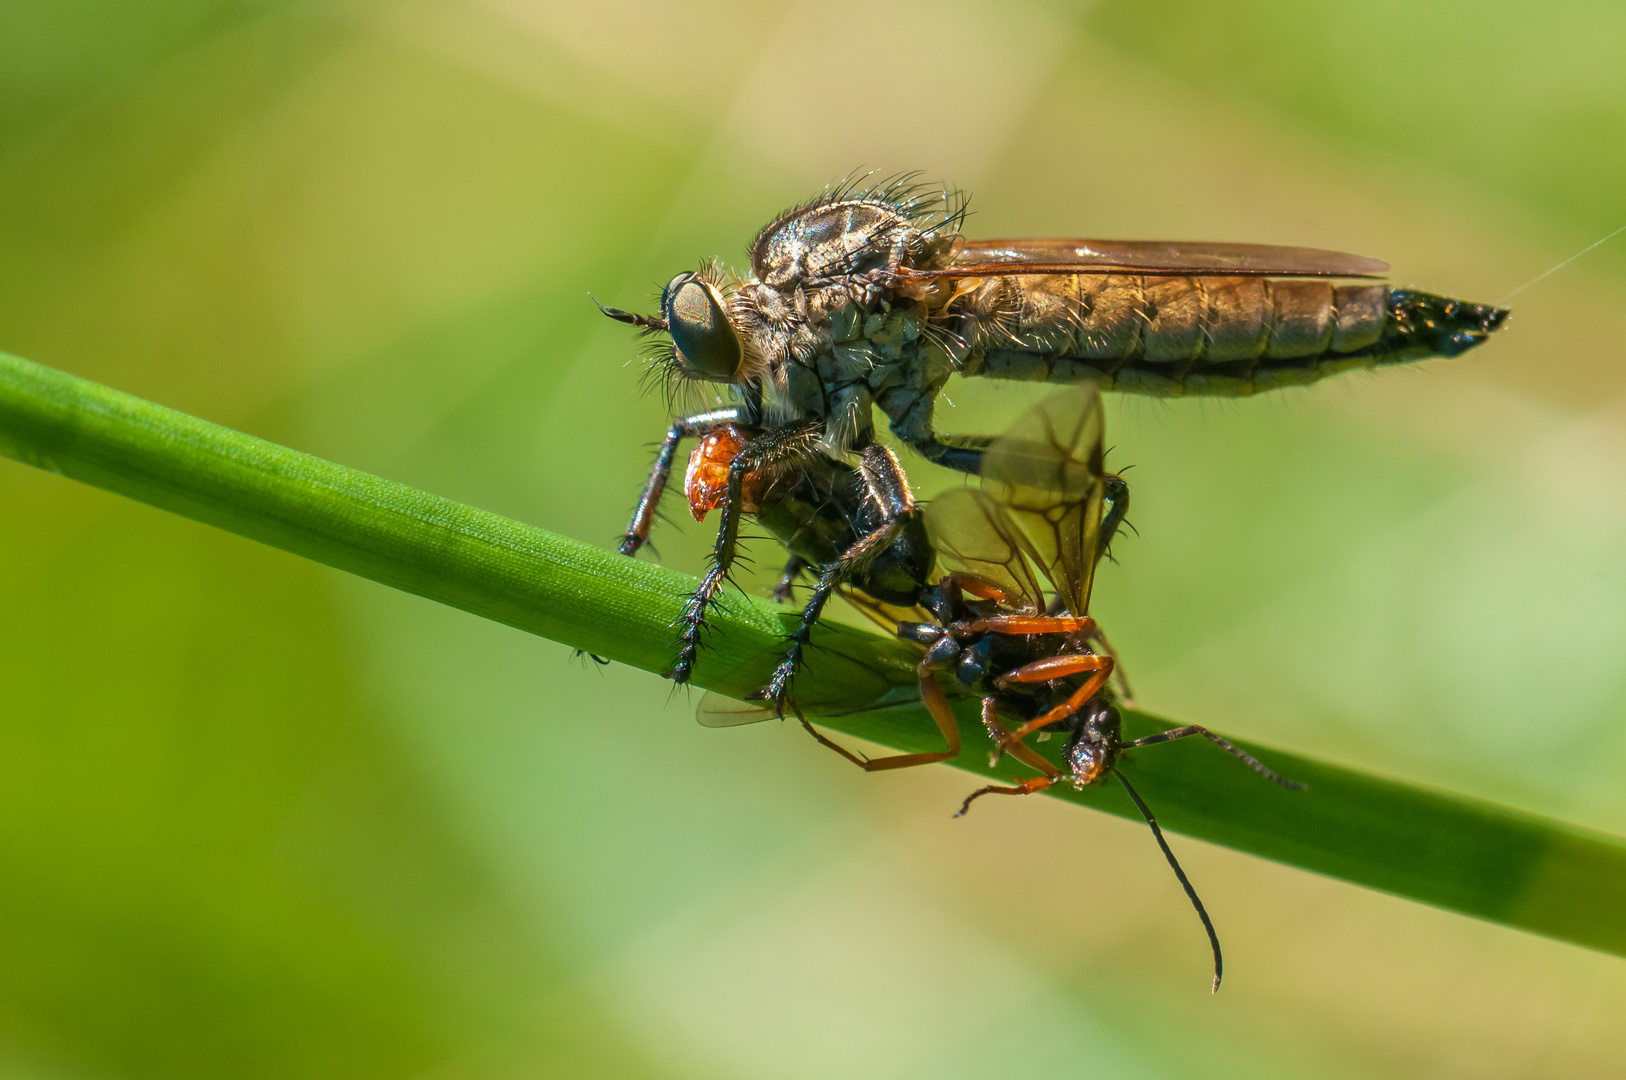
705	344
700	341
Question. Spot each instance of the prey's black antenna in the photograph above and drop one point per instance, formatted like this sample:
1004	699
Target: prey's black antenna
1185	883
643	322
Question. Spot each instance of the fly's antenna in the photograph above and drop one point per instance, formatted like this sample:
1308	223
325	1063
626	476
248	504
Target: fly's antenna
642	322
1185	882
1553	270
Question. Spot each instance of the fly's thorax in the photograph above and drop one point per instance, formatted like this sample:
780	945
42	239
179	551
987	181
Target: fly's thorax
850	237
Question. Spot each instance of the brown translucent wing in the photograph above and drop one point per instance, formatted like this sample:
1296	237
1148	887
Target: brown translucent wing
973	534
1061	255
1047	475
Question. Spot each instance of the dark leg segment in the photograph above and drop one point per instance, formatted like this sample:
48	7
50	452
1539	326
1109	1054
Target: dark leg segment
965	459
692	622
787	580
643	516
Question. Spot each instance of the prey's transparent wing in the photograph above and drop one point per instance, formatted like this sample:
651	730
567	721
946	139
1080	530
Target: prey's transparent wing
1063	255
974	535
886	616
1047	475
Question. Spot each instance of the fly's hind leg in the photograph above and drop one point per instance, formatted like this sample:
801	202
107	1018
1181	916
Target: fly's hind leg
887	483
910	411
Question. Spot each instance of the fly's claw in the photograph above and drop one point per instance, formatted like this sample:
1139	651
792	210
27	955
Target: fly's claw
778	688
777	695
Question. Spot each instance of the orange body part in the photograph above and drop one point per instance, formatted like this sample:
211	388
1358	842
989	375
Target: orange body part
705	484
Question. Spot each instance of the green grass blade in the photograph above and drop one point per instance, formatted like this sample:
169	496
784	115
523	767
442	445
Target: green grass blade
1454	852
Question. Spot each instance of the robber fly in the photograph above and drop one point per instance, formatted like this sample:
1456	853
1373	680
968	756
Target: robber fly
866	297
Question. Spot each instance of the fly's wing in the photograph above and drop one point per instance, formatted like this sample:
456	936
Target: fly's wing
973	534
996	258
1047	474
718	711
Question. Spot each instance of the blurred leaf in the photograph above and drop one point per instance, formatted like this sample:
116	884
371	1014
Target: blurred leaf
1443	849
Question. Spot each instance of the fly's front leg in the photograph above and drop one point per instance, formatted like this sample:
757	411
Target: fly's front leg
890	489
688	427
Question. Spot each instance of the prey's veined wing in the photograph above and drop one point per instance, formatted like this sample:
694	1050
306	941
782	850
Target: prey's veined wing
719	711
886	616
1156	258
1047	475
973	534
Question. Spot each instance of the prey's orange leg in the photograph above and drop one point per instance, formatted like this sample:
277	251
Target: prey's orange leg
936	704
1058	667
980	587
1021	787
1033	624
1018	750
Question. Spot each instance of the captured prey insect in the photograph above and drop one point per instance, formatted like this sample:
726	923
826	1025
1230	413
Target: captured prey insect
1009	546
1009	619
870	297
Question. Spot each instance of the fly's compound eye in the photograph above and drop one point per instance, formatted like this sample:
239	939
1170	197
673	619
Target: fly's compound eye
698	322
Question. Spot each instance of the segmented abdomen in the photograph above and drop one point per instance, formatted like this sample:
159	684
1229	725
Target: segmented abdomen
1177	336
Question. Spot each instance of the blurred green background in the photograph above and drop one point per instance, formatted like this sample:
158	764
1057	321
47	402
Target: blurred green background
261	819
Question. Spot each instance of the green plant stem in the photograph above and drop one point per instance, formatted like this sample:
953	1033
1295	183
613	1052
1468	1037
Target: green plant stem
1448	850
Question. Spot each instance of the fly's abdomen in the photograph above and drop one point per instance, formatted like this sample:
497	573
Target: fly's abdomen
1231	336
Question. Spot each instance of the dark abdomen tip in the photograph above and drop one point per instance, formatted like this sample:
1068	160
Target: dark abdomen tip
1422	324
